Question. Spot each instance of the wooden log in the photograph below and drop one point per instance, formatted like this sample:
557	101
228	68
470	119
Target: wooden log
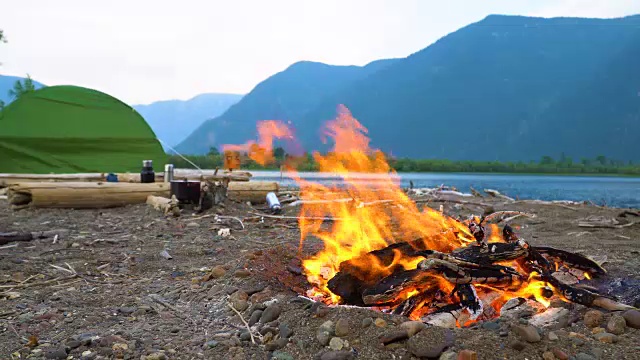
6	238
570	259
82	194
179	174
253	191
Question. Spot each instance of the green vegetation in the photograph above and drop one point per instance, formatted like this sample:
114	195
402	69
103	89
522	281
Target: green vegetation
22	87
601	165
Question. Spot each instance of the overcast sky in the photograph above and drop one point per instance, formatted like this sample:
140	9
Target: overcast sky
147	50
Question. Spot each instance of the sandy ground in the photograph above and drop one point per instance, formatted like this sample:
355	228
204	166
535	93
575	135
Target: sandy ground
114	295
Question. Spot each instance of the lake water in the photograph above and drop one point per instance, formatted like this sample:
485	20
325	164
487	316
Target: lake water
613	191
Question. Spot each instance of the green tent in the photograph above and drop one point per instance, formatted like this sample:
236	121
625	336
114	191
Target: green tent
70	129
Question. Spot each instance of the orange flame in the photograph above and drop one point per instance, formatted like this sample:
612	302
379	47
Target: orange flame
262	151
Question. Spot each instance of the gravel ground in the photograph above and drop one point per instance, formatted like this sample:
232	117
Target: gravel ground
112	294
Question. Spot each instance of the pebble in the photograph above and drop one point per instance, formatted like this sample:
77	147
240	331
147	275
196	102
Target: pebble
366	322
324	333
393	336
57	354
632	318
193	225
245	336
270	313
73	344
242	273
254	289
255	317
616	325
552	336
583	356
240	305
597	352
218	272
337	355
337	344
88	355
379	322
597	330
412	327
278	344
322	311
212	344
449	355
281	355
528	333
593	318
342	327
606	337
548	355
518	345
560	354
285	331
467	355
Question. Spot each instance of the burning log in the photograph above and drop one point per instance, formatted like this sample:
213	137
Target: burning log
577	261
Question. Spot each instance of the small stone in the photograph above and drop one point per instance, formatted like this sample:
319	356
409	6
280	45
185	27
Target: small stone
552	336
449	355
597	330
245	336
548	355
632	318
74	344
342	328
412	327
324	333
467	355
270	313
518	345
322	311
560	354
583	356
278	344
528	333
57	354
240	305
606	338
425	350
285	331
336	343
593	318
193	225
337	355
212	344
366	322
393	336
380	322
217	272
89	355
616	325
255	317
281	355
242	273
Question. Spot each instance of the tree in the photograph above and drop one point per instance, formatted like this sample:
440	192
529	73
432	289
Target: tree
22	87
213	151
279	153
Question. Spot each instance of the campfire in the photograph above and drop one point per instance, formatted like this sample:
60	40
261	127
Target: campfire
382	251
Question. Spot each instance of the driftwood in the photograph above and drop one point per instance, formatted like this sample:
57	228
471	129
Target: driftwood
166	205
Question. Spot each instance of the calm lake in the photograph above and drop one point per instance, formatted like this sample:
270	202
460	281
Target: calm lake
613	191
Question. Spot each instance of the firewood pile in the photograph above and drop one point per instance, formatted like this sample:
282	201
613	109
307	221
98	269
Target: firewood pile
471	283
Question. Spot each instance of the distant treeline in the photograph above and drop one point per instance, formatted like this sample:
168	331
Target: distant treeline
546	165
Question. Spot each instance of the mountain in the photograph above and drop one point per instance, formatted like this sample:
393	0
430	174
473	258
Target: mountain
6	84
173	120
286	96
508	88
